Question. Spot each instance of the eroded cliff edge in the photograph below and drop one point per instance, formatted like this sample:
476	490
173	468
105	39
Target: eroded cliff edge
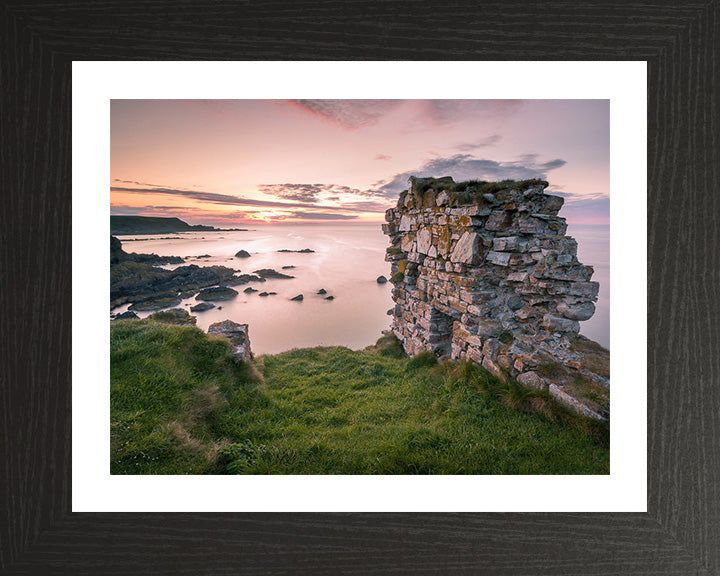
483	271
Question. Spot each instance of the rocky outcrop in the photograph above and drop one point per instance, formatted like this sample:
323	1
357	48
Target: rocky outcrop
238	334
484	272
134	278
269	273
117	255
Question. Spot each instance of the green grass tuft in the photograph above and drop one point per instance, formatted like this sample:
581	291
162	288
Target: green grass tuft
180	405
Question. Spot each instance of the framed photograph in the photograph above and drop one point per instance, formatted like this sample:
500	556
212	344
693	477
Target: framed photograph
74	81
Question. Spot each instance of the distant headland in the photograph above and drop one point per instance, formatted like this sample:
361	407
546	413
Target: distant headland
155	225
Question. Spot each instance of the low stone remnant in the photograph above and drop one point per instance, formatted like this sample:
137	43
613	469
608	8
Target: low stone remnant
483	271
238	335
242	254
202	307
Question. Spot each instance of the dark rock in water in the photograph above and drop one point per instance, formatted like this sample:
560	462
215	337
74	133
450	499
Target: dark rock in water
242	254
390	312
297	298
263	294
238	335
155	304
187	294
244	279
381	279
329	297
202	307
249	290
219	307
203	256
322	291
303	251
217	293
288	267
127	316
273	274
174	316
136	281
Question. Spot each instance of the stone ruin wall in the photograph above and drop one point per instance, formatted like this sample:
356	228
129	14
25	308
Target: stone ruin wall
492	278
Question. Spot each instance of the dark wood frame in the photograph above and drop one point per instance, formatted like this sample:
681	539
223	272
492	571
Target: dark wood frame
680	533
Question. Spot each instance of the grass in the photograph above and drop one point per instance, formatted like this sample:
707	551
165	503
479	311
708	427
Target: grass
467	191
179	405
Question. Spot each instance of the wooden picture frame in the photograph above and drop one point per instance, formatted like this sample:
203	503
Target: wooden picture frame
680	533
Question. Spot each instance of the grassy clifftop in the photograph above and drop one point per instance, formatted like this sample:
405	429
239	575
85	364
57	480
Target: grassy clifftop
180	405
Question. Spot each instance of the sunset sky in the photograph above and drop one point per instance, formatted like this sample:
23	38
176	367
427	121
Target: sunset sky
227	162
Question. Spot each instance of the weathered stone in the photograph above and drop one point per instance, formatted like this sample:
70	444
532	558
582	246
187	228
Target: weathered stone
573	403
468	249
499	258
498	221
493	368
491	348
442	199
517	276
407	244
559	324
581	311
515	302
424	240
532	380
492	279
238	334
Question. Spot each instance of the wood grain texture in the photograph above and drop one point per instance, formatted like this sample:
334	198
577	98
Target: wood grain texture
681	532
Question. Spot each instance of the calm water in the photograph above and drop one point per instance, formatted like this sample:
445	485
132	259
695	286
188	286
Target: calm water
594	250
346	263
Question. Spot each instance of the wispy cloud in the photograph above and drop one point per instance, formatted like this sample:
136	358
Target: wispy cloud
483	143
451	111
349	113
323	216
382	157
215	198
311	192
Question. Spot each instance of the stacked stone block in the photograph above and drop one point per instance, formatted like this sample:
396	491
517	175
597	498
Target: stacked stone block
485	272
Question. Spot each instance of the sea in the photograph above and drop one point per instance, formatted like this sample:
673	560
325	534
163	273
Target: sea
346	261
